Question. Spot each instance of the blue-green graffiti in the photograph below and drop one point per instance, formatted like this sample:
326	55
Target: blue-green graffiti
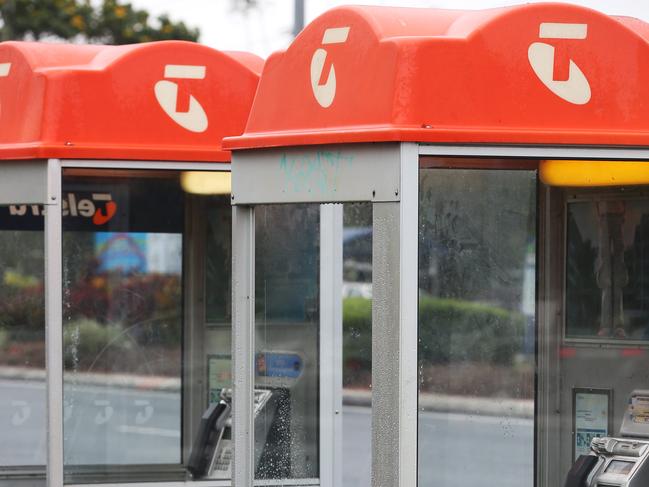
317	172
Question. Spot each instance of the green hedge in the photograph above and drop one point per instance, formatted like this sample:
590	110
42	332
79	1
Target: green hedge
449	331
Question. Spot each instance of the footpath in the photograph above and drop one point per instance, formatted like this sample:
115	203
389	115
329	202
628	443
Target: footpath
442	403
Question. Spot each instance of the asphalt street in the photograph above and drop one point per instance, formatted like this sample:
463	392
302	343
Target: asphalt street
455	450
143	426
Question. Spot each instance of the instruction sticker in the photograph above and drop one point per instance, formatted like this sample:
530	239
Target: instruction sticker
591	418
640	409
219	374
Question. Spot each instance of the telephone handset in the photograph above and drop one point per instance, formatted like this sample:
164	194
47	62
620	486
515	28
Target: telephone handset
211	455
581	469
209	436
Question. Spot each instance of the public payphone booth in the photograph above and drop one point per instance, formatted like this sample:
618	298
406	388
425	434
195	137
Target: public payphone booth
501	156
115	226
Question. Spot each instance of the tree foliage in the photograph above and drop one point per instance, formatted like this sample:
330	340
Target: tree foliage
111	22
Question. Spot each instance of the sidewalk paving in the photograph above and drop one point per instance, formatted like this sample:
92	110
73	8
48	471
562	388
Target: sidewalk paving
443	403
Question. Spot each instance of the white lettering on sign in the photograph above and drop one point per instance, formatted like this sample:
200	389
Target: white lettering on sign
575	89
166	92
73	206
325	93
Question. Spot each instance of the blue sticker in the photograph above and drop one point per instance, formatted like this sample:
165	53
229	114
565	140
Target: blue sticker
275	364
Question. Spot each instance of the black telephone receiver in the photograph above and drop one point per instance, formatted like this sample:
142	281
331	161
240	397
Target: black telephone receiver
578	474
207	440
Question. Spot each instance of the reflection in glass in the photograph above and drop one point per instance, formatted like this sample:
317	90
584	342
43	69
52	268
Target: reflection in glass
476	327
122	254
218	262
22	341
286	341
607	292
357	345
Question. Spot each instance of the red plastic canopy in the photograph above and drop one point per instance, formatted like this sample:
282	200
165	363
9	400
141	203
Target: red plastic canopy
538	73
164	100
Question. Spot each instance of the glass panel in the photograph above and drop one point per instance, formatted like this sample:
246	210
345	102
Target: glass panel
286	341
476	327
218	259
357	345
122	254
607	289
601	281
211	353
22	338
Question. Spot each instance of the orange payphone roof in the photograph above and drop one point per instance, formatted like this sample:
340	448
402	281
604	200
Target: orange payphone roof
538	73
168	100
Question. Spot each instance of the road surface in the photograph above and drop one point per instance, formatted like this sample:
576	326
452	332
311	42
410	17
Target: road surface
143	426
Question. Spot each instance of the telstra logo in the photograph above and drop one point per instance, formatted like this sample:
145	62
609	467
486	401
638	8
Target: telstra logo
325	93
575	88
100	207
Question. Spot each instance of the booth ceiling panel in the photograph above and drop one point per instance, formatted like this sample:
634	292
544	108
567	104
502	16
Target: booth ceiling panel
537	73
168	100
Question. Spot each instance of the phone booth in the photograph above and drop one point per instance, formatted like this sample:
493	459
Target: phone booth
464	193
115	250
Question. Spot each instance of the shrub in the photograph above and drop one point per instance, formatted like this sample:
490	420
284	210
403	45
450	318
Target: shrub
357	339
22	312
449	331
462	331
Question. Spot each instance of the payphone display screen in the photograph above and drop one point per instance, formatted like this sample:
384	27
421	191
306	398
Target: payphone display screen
619	467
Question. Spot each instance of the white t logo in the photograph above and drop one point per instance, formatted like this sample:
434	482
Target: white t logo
166	92
24	411
5	68
325	93
146	414
106	412
575	89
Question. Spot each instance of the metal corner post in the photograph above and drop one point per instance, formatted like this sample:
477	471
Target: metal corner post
331	279
243	345
394	331
54	324
408	313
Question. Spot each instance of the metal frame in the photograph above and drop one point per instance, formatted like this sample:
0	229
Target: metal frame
408	314
243	343
23	182
54	300
54	324
201	483
394	193
160	165
331	341
534	151
37	182
246	219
